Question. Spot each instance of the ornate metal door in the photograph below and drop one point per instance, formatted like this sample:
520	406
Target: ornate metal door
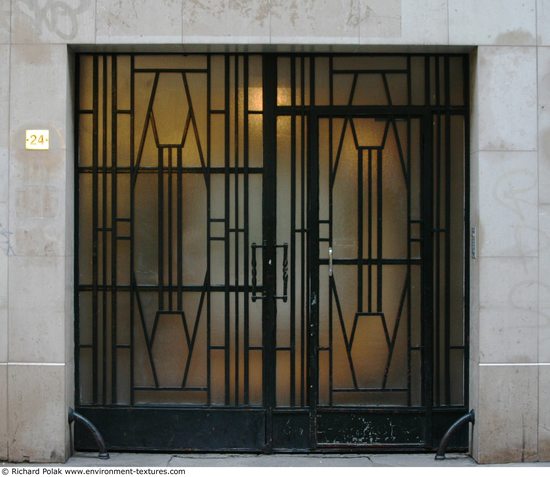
271	250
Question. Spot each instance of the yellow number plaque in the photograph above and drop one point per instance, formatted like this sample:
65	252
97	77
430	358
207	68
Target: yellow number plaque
37	139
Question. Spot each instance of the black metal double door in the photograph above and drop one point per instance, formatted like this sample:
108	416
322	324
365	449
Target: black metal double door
344	296
261	273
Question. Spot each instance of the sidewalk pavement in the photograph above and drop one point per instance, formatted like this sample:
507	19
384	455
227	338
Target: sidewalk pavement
278	460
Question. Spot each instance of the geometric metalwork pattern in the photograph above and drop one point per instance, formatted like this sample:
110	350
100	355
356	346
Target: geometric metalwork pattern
283	233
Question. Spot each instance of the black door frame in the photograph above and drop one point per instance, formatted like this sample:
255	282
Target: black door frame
276	427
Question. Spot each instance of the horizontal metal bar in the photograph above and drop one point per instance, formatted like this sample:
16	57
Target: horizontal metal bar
369	390
169	388
170	70
155	170
368	72
165	288
372	261
369	111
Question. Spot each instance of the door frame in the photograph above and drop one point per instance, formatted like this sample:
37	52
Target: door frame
269	420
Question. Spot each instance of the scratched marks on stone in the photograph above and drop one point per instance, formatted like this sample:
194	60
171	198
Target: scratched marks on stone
5	241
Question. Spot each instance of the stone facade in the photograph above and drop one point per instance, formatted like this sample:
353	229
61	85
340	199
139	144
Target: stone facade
509	41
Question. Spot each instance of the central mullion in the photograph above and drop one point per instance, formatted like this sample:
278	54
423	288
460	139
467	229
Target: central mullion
269	232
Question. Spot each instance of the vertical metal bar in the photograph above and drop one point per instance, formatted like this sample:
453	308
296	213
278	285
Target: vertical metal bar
179	228
236	225
169	233
114	205
104	229
304	306
160	212
246	225
208	230
76	184
370	232
293	235
427	88
313	254
360	230
331	179
447	177
227	356
132	225
427	305
379	235
466	303
269	228
313	266
437	238
409	275
95	225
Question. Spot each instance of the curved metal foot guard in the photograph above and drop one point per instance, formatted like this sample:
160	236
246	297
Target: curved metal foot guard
470	417
74	416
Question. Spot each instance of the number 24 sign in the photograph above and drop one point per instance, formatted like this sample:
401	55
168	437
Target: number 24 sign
37	139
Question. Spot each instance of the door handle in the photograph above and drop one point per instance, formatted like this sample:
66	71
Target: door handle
330	261
284	296
255	295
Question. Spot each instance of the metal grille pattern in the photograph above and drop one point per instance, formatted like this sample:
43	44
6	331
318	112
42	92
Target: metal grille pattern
283	233
165	188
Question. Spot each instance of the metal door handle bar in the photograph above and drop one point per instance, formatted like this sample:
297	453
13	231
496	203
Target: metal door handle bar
255	295
330	261
284	296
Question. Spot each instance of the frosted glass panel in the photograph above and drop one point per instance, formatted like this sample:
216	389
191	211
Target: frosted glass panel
366	315
168	211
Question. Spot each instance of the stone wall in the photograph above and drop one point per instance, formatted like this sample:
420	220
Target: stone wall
510	174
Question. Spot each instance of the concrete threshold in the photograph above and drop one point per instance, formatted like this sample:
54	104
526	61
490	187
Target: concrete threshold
278	460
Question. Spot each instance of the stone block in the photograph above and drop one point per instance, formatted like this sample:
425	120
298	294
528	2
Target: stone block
230	21
139	21
543	22
38	93
5	8
506	416
544	284
37	283
4	105
508	195
44	21
492	22
506	97
38	413
508	321
543	73
544	413
403	22
319	21
3	411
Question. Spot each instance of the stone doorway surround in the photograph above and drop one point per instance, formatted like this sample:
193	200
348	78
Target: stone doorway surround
509	43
